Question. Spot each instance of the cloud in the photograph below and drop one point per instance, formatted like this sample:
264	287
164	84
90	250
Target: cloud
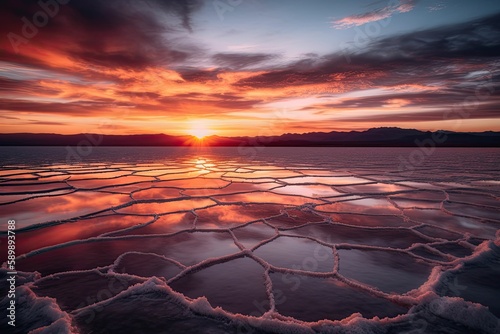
8	117
437	6
489	112
475	39
394	7
237	61
447	64
76	108
45	123
183	9
423	100
156	74
198	75
445	55
12	87
113	33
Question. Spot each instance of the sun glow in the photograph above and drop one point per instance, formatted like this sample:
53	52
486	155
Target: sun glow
199	129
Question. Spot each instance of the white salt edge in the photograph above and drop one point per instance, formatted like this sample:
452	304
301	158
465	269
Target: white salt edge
31	309
428	305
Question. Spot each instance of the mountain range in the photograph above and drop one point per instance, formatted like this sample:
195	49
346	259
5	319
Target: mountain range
375	137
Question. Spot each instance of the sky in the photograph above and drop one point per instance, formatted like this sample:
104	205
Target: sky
248	67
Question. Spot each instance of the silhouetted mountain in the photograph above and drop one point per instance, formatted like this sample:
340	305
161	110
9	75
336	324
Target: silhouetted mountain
43	139
385	137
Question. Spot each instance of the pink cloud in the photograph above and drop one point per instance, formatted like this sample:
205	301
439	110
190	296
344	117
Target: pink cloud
403	6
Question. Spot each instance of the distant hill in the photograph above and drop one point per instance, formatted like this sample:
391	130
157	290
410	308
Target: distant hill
43	139
376	137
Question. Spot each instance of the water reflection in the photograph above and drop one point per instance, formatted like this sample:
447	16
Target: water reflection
226	228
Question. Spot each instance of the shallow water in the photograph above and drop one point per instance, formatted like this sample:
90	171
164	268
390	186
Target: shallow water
286	237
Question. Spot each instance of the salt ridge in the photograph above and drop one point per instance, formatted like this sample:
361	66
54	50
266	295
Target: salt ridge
424	302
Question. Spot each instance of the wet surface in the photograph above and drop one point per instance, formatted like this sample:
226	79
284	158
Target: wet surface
296	240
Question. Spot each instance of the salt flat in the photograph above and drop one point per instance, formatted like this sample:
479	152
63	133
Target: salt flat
269	244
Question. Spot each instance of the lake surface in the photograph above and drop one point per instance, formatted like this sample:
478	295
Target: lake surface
253	239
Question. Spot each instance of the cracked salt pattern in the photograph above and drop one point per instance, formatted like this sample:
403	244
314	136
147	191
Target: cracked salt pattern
181	240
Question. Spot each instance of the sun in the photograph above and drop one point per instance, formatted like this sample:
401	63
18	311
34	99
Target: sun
199	129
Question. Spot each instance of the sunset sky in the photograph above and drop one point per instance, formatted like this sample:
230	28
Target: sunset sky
248	67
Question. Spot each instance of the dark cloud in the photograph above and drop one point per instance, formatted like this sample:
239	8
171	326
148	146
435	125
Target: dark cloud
76	108
22	87
237	105
489	112
183	9
198	75
224	101
218	101
8	117
419	57
279	79
456	63
142	95
45	123
238	61
421	99
150	102
189	95
476	39
106	33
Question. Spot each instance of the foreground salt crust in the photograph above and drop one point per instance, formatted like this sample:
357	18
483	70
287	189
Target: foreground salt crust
132	232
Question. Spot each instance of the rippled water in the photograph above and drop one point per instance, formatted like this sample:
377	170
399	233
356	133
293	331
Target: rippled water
253	240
